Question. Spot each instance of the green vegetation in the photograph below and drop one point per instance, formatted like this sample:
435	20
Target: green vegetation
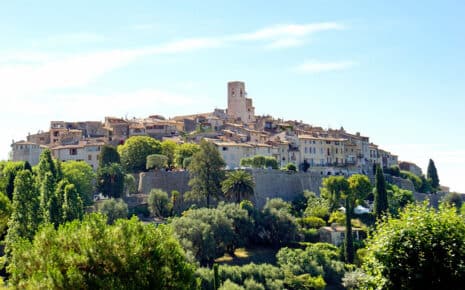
159	203
110	180
183	152
432	174
422	249
259	161
108	155
156	162
238	184
91	254
113	209
206	172
82	176
381	197
135	150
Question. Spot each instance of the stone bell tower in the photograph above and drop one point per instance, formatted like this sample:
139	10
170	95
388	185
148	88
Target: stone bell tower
239	106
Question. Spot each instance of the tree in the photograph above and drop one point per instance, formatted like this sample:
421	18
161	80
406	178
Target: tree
110	180
159	203
135	150
168	148
183	151
8	175
422	249
108	154
359	188
238	184
316	260
26	216
381	204
72	204
271	162
432	173
46	164
333	187
82	176
5	213
156	162
276	225
113	209
206	172
91	254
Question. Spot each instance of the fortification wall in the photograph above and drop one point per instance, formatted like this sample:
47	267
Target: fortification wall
268	183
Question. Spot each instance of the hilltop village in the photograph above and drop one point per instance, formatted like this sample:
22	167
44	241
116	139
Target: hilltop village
236	131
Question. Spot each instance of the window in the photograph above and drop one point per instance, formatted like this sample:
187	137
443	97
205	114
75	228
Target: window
89	157
225	148
73	151
305	149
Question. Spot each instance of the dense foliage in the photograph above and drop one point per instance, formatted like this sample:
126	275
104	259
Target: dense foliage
93	255
82	176
135	150
238	184
206	172
432	174
422	249
159	203
110	180
113	209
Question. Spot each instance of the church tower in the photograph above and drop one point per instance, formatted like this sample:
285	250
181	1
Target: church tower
239	106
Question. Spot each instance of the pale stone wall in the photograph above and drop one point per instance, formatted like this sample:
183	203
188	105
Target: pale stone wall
269	183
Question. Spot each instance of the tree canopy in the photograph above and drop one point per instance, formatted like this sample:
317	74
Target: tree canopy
238	184
432	174
135	150
92	255
422	249
108	154
206	172
82	176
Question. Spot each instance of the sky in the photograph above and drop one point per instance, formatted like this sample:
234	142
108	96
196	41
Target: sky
391	70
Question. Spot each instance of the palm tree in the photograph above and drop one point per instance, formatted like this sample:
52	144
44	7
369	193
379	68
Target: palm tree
238	184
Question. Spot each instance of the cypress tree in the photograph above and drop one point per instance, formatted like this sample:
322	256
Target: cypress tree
25	218
349	239
47	190
46	164
108	155
72	204
381	198
432	174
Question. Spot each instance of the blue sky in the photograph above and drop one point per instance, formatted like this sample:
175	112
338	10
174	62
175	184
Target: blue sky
392	70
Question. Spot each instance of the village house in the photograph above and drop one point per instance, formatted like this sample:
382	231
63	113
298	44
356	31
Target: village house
335	234
87	151
26	151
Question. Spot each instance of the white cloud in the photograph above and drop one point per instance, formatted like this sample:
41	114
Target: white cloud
315	66
286	35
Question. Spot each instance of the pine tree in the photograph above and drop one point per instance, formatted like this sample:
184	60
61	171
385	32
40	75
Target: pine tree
381	198
206	172
432	174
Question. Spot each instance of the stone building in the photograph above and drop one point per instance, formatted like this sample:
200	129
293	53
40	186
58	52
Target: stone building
26	151
86	151
118	130
412	167
321	151
239	106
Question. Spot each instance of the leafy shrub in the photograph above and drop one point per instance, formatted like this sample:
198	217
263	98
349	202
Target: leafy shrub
312	222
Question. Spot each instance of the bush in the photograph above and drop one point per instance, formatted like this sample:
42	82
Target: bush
90	254
159	203
113	209
337	217
417	183
156	162
311	235
422	249
312	222
290	167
